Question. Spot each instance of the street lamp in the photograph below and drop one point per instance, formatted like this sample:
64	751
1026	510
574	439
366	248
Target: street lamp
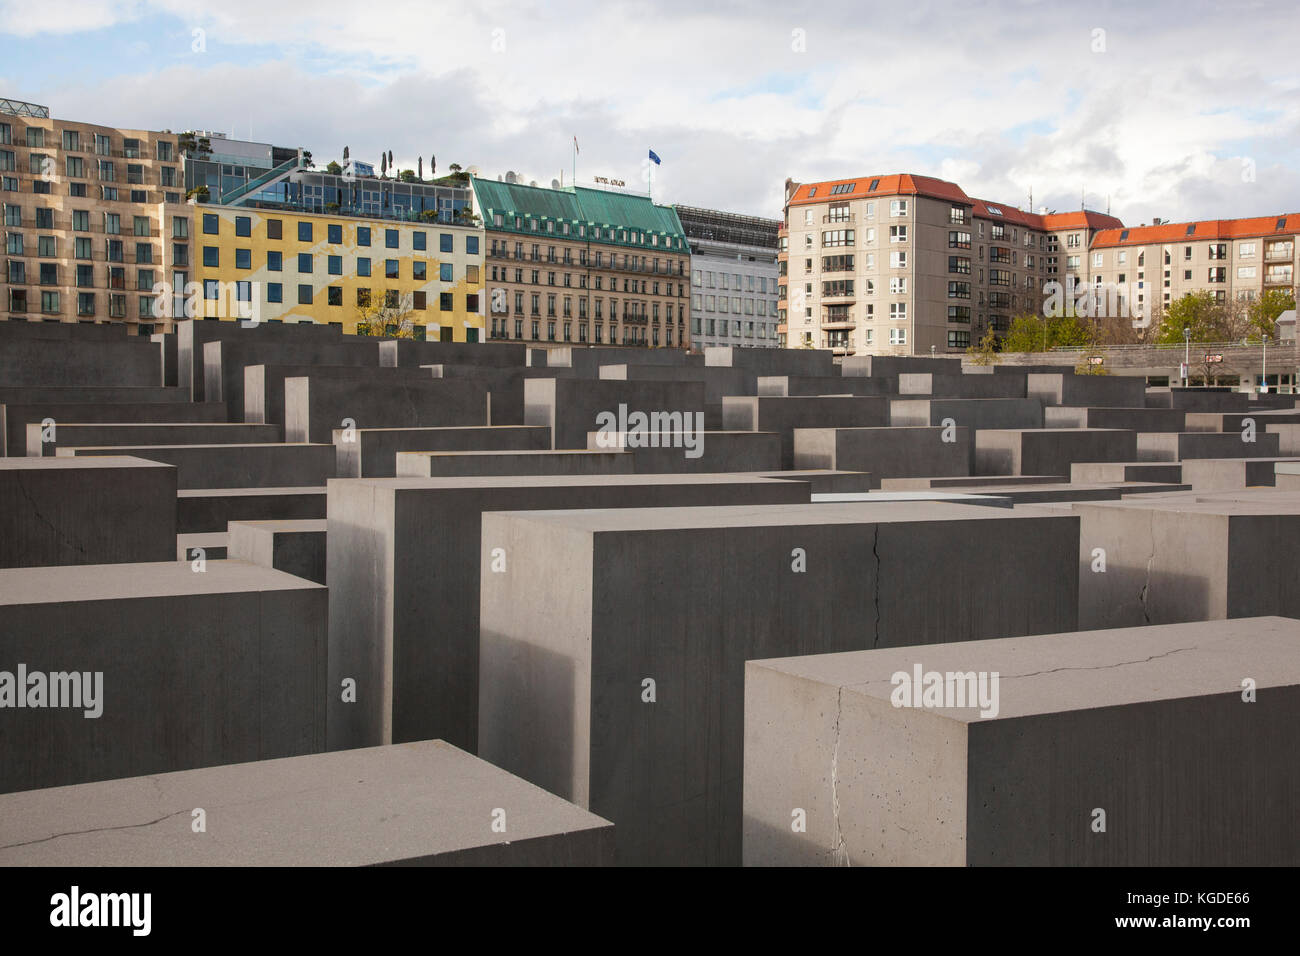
1264	376
1187	355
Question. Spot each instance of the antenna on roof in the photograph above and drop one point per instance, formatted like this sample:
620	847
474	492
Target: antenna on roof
1108	204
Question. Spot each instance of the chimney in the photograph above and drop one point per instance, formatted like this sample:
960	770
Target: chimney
789	188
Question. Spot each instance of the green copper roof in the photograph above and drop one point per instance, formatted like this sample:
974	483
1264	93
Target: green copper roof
622	213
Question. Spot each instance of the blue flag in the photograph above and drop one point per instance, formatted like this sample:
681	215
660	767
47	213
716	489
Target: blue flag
656	159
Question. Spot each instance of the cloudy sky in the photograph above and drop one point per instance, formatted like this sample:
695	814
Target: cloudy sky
1180	110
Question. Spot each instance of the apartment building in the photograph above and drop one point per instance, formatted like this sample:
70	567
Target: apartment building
583	266
1235	259
733	278
282	265
94	216
905	264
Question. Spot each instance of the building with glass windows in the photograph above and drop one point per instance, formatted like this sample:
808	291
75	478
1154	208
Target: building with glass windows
284	266
733	278
583	266
94	216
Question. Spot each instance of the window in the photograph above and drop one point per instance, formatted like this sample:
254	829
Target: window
834	237
898	285
445	243
445	303
211	257
304	232
898	336
898	234
141	225
390	238
958	339
363	235
112	224
898	310
1246	250
334	295
274	262
959	240
444	271
471	245
47	247
959	264
210	227
363	266
418	240
304	262
959	290
959	313
274	292
898	207
390	268
419	300
274	229
334	265
419	270
304	295
898	260
50	303
243	226
243	258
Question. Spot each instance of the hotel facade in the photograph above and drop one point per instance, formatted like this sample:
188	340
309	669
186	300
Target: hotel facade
733	278
579	266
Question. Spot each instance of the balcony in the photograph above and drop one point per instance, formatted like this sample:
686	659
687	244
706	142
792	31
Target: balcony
1278	277
833	218
1279	253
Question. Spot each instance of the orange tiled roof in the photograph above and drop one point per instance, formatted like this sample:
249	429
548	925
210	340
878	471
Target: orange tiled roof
1203	229
908	184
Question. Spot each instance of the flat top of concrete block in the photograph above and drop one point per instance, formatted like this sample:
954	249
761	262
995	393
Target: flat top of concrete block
1245	507
246	492
803	473
162	425
956	497
511	452
294	525
66	463
758	516
450	428
204	539
118	582
1057	431
344	808
704	433
1045	674
547	481
232	445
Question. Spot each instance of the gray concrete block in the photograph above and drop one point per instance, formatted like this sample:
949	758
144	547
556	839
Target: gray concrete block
264	384
504	386
224	363
1135	419
1235	421
886	452
1229	474
970	481
294	547
212	509
197	668
57	511
1049	451
1115	391
812	362
971	413
718	380
822	481
15	418
260	465
562	674
784	415
404	580
46	441
1173	560
410	353
372	452
314	407
192	336
1117	471
167	343
416	804
573	407
898	365
202	545
718	452
783	386
133	361
936	385
589	359
1180	446
448	464
90	394
1145	723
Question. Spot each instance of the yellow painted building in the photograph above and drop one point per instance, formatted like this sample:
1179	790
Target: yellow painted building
287	266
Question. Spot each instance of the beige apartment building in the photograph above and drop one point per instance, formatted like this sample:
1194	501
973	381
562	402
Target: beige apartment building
94	216
906	265
1235	259
583	266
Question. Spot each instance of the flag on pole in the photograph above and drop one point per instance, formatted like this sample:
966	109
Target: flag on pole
575	145
655	158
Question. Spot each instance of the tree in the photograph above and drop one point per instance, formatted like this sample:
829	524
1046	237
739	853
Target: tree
419	163
1262	313
193	146
383	166
198	193
1027	333
455	169
407	175
986	353
333	168
306	159
1208	319
433	166
385	312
